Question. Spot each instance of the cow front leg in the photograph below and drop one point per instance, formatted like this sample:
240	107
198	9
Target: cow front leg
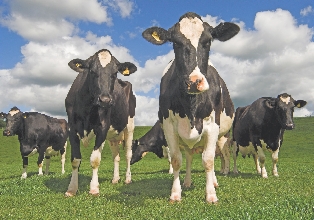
40	161
262	158
47	164
76	161
95	159
128	137
188	179
208	157
275	161
25	164
115	152
63	153
176	159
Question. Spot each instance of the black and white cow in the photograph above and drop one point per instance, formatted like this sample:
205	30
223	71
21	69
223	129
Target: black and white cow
261	126
195	108
37	133
99	103
154	141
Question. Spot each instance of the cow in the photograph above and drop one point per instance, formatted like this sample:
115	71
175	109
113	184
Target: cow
100	104
261	126
195	108
37	133
154	141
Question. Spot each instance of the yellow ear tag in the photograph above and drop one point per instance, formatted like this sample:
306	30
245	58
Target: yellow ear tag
299	105
126	71
78	64
155	35
24	116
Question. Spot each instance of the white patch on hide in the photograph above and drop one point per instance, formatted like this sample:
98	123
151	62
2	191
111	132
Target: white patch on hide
32	153
225	123
13	112
285	99
192	29
51	152
104	58
167	67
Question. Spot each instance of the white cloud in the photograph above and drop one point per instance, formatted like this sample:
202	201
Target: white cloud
146	112
124	7
306	11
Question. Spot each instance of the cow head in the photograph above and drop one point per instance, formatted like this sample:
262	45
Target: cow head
13	122
284	106
191	38
139	151
101	70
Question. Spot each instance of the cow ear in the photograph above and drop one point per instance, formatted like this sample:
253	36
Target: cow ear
3	115
156	35
270	103
77	65
225	31
126	68
299	103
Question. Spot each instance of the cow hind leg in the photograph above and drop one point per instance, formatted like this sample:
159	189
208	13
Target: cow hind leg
115	151
275	161
234	154
128	137
188	180
47	164
63	153
224	149
25	164
95	159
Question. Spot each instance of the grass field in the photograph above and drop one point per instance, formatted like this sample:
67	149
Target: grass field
242	196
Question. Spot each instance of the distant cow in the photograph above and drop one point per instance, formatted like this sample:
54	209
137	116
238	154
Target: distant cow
99	103
154	141
37	133
261	126
195	108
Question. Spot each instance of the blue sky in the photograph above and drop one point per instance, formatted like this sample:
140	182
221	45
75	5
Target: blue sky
273	53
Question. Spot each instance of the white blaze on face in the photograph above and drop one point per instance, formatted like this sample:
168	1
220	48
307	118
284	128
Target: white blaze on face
104	58
13	112
285	99
192	29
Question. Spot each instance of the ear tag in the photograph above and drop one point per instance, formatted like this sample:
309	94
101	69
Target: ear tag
126	71
78	64
299	105
155	36
24	116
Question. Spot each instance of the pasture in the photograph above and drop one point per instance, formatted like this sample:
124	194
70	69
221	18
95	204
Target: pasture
242	196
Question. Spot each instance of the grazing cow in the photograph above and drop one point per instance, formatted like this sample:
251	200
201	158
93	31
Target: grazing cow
261	126
154	141
37	133
195	108
99	103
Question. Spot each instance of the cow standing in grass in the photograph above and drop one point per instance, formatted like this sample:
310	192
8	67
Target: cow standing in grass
154	141
99	103
260	126
195	108
37	133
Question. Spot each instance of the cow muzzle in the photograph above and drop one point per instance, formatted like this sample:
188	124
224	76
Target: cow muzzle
104	101
7	133
289	126
195	86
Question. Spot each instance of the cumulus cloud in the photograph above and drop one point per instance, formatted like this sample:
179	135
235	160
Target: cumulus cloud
306	11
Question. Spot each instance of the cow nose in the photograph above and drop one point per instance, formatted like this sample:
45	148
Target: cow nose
289	126
194	86
6	133
105	100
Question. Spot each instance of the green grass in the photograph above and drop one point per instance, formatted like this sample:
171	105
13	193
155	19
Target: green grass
242	196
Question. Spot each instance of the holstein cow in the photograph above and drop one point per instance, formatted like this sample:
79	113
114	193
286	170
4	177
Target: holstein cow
195	108
37	133
99	103
154	141
261	126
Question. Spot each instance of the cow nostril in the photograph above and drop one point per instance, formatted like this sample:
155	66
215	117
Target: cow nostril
289	126
104	99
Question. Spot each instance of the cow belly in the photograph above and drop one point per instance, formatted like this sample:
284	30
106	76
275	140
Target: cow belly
250	150
113	135
51	152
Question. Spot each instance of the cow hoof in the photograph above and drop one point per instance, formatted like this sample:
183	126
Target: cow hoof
187	185
23	177
174	201
276	174
115	181
69	194
94	193
40	174
128	181
212	199
175	197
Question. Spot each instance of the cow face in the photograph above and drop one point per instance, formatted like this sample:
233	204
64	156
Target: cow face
101	70
13	122
191	38
284	106
139	150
